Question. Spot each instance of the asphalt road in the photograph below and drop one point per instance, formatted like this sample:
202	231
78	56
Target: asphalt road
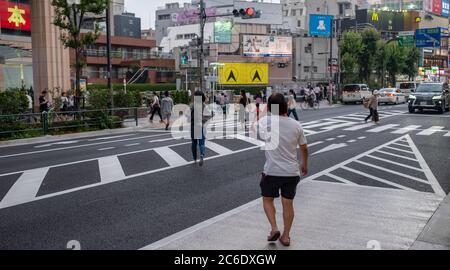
128	190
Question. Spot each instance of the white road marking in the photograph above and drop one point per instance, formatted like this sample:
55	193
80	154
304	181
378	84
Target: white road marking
339	126
395	155
330	139
387	182
447	135
406	129
431	131
330	148
162	140
109	138
171	157
351	141
392	172
382	128
401	144
328	123
56	143
79	146
342	136
341	179
313	144
107	148
426	169
362	138
218	148
400	150
352	118
132	144
110	169
25	188
395	163
359	127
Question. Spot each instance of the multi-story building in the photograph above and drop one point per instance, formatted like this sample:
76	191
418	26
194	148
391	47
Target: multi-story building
165	18
149	34
129	56
127	25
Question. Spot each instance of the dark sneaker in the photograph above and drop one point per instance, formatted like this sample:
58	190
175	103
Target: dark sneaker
201	162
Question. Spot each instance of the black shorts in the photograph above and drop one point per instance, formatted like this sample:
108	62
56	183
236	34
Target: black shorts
271	186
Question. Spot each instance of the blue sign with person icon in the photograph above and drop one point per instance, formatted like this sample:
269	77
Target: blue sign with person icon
320	25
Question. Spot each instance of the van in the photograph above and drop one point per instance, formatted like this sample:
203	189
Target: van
354	93
407	88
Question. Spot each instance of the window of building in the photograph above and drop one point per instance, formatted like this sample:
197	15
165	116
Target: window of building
131	34
306	69
130	22
301	12
294	12
178	37
164	17
299	23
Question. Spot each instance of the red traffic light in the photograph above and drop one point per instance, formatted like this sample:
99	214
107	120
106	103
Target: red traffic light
250	12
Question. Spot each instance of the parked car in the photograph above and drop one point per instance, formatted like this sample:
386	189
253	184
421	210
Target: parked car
408	87
430	96
354	93
391	96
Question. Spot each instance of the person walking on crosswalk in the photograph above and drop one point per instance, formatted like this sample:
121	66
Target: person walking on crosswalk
372	104
166	108
282	171
292	104
198	120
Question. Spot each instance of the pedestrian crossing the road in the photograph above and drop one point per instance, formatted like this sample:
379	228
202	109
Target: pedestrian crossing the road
396	165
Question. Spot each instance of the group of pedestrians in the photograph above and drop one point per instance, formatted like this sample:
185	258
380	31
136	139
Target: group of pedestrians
163	108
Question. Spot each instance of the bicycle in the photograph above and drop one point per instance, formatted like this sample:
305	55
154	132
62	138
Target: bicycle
310	102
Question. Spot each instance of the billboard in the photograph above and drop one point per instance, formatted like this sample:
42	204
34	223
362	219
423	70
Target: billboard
267	46
437	7
15	16
428	37
191	15
222	32
320	25
244	74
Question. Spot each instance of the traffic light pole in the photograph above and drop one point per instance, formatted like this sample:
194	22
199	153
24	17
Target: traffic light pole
108	52
201	43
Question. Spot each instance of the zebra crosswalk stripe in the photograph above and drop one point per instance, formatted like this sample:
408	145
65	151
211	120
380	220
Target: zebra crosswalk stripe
382	128
430	131
406	129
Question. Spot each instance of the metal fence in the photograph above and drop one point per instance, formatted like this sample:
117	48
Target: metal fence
55	122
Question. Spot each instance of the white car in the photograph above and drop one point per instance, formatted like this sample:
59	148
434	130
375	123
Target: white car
391	96
354	93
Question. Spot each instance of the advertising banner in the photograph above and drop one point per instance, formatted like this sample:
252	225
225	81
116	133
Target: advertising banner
320	25
267	46
437	7
15	16
244	74
191	15
222	32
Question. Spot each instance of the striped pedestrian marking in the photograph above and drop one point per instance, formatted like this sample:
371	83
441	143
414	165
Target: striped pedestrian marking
218	148
110	169
447	135
359	127
382	128
25	188
430	131
170	156
406	129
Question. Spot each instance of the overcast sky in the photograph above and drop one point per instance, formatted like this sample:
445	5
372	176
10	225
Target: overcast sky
145	9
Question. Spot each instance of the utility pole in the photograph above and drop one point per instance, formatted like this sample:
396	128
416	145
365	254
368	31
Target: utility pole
108	51
201	43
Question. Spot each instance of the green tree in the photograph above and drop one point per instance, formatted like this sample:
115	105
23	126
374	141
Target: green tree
70	18
366	59
411	66
351	48
395	62
381	59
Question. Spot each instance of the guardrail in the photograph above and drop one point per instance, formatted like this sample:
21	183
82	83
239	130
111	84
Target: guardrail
53	122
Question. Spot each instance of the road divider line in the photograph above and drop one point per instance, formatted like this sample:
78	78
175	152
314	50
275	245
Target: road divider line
107	148
109	138
110	169
132	144
171	157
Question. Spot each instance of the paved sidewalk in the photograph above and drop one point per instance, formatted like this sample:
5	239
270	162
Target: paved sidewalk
328	216
436	235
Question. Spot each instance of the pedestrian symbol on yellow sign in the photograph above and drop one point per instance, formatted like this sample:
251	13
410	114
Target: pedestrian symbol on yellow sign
16	16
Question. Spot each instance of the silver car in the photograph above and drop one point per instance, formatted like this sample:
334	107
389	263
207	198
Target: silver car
391	96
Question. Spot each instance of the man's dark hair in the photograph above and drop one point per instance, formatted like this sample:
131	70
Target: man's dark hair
44	92
166	93
278	99
200	94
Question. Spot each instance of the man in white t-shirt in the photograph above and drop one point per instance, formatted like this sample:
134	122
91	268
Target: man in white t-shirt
282	171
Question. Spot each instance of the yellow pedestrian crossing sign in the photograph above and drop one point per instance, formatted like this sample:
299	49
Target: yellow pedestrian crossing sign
244	74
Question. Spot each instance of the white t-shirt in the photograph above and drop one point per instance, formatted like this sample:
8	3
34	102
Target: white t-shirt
292	102
281	155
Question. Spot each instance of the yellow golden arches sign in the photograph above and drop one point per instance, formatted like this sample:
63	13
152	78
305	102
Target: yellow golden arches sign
244	74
